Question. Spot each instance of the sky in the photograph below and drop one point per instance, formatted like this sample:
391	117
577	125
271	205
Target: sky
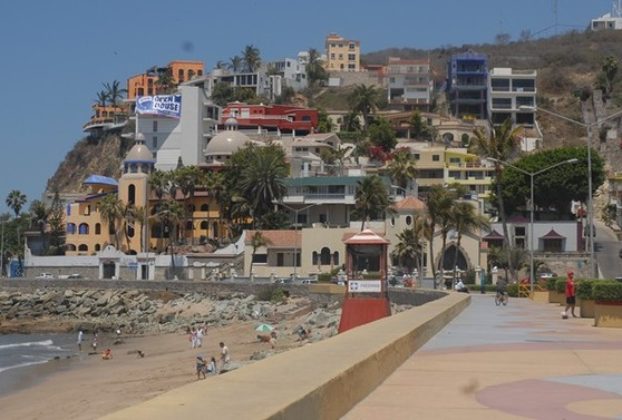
55	55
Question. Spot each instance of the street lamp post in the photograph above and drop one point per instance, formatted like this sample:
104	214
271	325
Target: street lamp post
531	208
296	224
590	203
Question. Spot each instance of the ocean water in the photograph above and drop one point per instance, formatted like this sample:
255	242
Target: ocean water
26	358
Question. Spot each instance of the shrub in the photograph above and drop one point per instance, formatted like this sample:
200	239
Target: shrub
324	277
607	291
584	289
550	284
560	285
513	290
278	296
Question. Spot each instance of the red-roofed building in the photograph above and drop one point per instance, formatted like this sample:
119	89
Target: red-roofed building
280	118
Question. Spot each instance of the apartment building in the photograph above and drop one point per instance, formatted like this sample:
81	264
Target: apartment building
410	84
512	94
276	118
293	70
145	84
342	54
467	85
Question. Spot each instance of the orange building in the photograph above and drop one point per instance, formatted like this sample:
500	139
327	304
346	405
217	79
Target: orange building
144	84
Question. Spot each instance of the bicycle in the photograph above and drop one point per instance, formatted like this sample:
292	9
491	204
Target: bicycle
501	298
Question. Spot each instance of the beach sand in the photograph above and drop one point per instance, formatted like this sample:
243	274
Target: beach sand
92	387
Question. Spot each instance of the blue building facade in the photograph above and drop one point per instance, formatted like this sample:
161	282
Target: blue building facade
467	85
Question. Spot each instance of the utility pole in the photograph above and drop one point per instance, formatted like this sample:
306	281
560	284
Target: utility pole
2	251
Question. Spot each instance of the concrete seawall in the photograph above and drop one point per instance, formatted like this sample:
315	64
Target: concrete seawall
318	381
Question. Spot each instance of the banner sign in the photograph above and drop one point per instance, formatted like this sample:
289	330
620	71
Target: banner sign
364	286
164	105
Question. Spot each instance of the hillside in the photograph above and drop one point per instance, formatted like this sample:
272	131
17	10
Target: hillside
102	157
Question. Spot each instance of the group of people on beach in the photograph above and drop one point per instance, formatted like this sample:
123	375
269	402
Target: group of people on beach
195	336
205	368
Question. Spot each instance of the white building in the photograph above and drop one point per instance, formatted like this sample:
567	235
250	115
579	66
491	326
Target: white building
293	71
409	82
609	21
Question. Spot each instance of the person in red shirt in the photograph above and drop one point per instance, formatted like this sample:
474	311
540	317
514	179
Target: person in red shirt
570	295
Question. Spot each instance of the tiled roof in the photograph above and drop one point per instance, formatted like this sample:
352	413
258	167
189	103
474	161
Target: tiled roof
410	203
277	238
365	237
552	235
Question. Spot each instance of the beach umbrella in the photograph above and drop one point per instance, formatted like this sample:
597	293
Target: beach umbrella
264	328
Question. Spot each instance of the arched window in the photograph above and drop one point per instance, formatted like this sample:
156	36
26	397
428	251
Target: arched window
336	258
190	74
180	75
204	207
98	229
189	225
71	228
83	229
325	256
314	258
83	248
70	247
130	231
204	225
131	194
98	247
409	220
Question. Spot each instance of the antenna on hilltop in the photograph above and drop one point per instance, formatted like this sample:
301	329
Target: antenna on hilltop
616	9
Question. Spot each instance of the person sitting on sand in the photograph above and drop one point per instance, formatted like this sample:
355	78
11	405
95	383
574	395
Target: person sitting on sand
201	367
140	354
211	366
107	355
303	334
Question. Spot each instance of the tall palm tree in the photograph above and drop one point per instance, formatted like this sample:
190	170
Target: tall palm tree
159	184
256	242
39	214
235	63
111	210
364	100
372	199
409	249
114	92
128	221
315	71
500	144
402	168
465	221
169	214
215	184
102	98
15	201
187	178
251	58
438	204
166	81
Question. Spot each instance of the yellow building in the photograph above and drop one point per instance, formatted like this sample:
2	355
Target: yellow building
342	54
88	232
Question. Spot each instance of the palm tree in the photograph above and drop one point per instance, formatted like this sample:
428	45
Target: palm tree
439	202
372	199
215	184
251	58
169	214
15	201
500	144
409	250
165	82
158	184
187	178
257	241
111	210
364	100
113	92
465	221
315	70
128	219
402	168
39	214
235	63
102	98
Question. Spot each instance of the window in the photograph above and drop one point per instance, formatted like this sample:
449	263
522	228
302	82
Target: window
332	56
336	258
87	210
409	220
130	231
83	229
98	247
351	46
436	158
131	194
190	74
98	229
83	248
204	207
180	75
417	156
260	259
155	126
519	231
204	225
280	259
154	142
71	228
325	256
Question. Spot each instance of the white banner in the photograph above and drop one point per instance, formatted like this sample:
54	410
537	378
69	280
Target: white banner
364	286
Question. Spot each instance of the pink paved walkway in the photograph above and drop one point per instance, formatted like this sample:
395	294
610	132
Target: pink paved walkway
515	362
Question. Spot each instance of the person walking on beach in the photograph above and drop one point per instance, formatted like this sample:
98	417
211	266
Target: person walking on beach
570	295
193	338
80	339
94	342
201	367
224	355
200	337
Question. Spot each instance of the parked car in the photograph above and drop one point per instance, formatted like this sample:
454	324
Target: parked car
45	276
547	275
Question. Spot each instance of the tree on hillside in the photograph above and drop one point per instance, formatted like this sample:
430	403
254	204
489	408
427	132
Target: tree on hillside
372	199
235	63
365	100
324	124
382	134
102	98
222	94
251	58
315	71
556	188
15	201
402	168
500	144
606	78
57	227
39	214
419	128
113	92
351	122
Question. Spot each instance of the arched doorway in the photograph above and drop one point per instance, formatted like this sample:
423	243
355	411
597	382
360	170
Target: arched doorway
449	256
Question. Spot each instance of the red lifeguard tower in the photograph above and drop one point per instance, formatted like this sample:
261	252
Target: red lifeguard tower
365	300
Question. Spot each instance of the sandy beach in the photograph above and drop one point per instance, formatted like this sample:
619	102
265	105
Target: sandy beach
92	387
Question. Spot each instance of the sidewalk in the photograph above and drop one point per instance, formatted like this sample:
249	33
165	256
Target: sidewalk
518	361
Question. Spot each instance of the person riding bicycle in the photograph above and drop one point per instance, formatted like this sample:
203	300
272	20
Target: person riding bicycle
502	286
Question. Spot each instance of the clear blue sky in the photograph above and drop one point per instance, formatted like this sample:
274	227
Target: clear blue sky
56	54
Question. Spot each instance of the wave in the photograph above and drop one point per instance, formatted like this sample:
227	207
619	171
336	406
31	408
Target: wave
44	343
19	365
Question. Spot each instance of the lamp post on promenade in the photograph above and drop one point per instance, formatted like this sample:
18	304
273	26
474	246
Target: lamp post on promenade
590	201
531	208
296	225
